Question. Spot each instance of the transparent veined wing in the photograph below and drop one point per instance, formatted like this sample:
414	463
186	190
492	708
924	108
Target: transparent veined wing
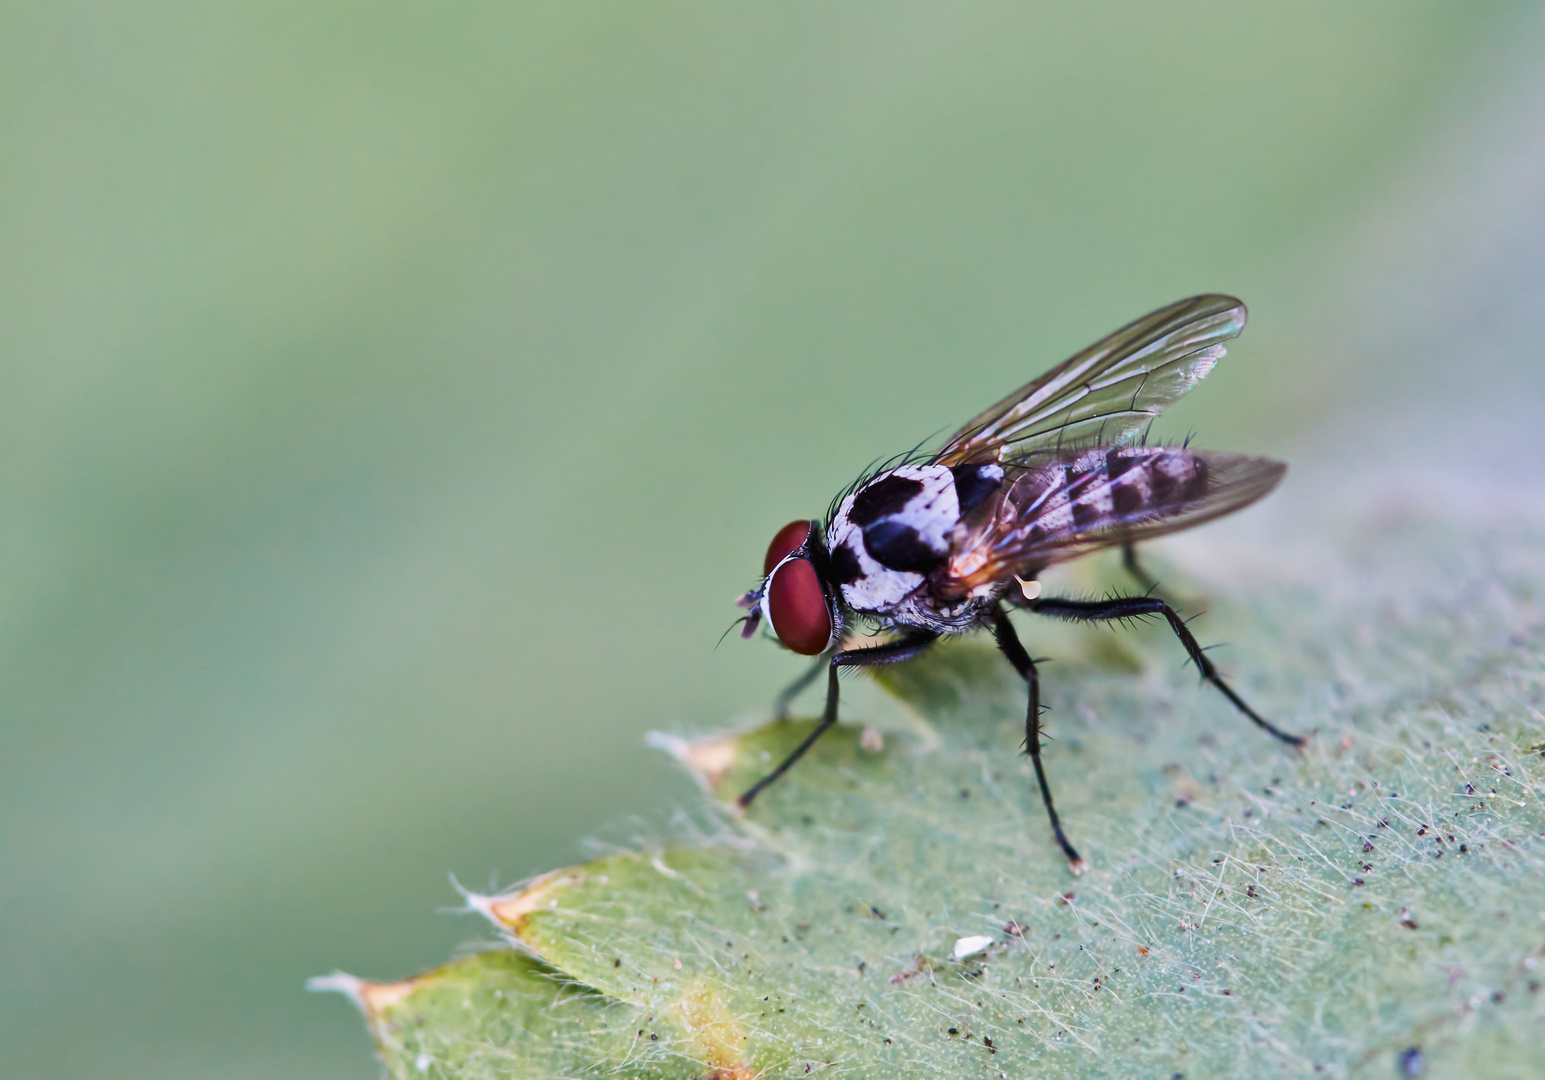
1109	392
1073	504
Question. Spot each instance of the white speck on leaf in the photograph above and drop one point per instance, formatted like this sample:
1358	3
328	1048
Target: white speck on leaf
970	946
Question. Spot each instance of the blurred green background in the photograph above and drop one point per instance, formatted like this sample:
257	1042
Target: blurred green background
394	398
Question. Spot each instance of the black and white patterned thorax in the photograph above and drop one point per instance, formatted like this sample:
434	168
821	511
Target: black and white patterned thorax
895	529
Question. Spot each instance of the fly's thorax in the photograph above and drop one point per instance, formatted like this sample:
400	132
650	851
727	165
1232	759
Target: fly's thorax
896	528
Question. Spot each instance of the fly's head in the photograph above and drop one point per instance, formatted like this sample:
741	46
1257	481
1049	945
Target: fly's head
795	597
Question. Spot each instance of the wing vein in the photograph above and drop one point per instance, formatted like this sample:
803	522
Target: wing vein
1084	400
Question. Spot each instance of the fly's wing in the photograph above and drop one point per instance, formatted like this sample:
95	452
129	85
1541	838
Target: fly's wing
1108	392
1103	497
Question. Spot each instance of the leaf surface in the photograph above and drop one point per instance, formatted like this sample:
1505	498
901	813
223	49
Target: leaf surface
1249	909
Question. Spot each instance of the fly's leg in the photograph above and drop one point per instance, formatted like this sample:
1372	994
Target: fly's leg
1136	607
891	652
1130	564
786	698
1008	644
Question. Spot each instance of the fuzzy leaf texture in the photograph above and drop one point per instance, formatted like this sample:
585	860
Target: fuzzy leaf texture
1371	906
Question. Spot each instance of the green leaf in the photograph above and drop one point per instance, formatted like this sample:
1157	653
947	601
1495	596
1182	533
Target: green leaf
1248	909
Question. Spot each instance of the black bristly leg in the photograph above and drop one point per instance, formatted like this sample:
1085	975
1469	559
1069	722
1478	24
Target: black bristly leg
1130	564
903	648
1129	607
1008	643
797	687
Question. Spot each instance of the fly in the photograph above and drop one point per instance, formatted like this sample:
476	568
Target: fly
945	543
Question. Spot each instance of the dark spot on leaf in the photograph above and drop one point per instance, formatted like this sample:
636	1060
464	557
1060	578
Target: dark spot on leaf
1410	1062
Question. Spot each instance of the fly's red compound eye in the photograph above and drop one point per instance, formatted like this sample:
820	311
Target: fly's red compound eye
796	607
788	539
